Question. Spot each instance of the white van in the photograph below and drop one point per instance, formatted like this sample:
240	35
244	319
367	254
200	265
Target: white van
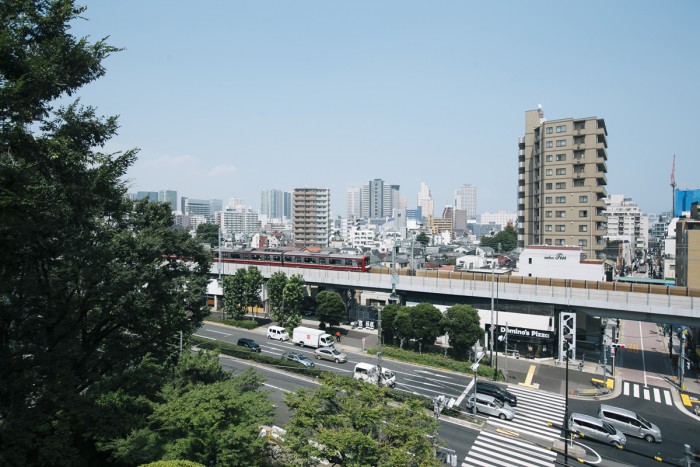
630	423
278	333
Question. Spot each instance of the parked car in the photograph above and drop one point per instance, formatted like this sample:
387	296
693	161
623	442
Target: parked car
630	423
334	355
249	344
496	391
278	333
491	406
299	358
597	429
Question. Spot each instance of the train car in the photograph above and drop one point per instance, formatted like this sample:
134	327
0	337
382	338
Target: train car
295	259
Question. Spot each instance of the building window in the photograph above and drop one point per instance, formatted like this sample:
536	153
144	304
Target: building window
561	228
583	243
559	242
561	128
583	228
561	157
548	186
548	200
561	171
548	144
561	199
548	214
547	241
583	199
561	143
560	214
549	130
583	213
548	158
548	228
529	261
548	172
561	186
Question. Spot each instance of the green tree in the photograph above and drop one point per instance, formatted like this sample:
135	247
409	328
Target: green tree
354	424
426	323
208	233
90	282
234	291
330	307
403	325
422	238
275	294
507	239
253	287
389	314
462	323
294	292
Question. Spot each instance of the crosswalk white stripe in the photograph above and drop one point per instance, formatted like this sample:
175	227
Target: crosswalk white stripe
646	393
657	395
667	396
626	388
517	445
475	463
636	390
494	453
542	430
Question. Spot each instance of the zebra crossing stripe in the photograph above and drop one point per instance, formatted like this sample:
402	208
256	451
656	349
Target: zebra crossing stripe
657	395
636	390
646	393
495	450
667	396
626	388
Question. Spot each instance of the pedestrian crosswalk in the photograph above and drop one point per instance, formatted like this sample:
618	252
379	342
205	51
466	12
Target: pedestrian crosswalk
535	408
640	391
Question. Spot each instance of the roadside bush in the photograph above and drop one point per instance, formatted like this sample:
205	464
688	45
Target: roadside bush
434	360
243	323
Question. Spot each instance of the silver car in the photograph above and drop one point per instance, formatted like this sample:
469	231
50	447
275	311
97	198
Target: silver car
328	353
491	406
597	429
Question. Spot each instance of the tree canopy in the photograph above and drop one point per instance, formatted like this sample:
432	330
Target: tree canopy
505	240
208	233
462	324
331	308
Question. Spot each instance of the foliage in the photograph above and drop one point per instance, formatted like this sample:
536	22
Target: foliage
294	292
389	314
177	463
253	287
507	239
353	423
437	360
242	323
462	323
275	293
208	233
234	291
403	324
331	308
426	323
422	238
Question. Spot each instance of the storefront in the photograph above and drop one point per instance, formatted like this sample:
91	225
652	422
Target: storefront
521	342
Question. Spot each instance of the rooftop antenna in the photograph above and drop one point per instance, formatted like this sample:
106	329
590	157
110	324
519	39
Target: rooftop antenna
673	185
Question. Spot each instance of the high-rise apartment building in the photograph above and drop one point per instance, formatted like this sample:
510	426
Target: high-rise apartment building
425	200
379	199
625	221
562	166
201	207
465	198
275	204
168	196
311	220
353	207
238	221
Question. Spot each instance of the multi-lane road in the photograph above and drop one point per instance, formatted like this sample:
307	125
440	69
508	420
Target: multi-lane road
505	443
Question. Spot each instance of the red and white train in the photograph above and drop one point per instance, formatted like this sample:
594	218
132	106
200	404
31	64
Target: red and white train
295	259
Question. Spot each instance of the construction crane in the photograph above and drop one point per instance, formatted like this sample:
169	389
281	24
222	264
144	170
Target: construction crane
673	186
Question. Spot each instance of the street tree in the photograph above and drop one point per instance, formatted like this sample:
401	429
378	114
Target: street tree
208	233
234	291
275	293
330	307
349	422
462	324
426	323
423	238
403	325
91	282
253	287
389	314
294	293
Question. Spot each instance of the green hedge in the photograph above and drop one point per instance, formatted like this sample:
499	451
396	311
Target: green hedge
435	360
242	323
247	354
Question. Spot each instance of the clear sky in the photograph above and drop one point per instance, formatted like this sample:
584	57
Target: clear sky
226	98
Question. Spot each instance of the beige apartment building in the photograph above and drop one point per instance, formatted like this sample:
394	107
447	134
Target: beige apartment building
561	183
311	208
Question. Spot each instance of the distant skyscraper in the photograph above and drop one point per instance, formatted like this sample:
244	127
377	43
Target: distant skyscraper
151	195
201	207
425	200
353	207
168	196
465	198
379	199
311	208
272	203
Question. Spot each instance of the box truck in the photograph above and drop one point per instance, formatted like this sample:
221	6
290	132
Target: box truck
309	337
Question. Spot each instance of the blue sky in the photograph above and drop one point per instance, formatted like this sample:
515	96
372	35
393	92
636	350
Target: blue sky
226	98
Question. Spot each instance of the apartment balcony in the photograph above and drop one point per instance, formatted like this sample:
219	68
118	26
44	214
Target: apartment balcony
602	153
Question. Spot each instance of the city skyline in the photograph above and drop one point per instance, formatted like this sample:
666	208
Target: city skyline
282	95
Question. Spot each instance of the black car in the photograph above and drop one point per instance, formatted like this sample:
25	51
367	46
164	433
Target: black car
249	343
498	392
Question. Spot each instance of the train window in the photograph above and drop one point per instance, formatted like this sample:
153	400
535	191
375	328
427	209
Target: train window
332	261
298	259
348	262
276	258
287	259
322	261
236	255
255	257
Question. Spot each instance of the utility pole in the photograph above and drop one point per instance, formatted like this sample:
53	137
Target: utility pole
493	270
681	358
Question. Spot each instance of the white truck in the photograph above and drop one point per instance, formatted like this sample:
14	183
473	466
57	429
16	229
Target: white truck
370	373
309	337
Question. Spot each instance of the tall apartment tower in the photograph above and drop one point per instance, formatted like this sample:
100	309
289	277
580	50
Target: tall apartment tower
562	166
465	198
379	199
425	200
353	208
311	208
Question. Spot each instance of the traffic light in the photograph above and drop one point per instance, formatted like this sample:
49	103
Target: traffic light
617	345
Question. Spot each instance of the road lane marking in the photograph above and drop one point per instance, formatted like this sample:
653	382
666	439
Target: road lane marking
626	388
657	395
